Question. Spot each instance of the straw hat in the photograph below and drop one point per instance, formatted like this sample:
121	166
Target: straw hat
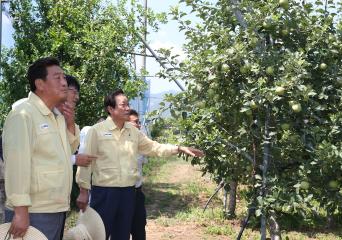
31	234
89	226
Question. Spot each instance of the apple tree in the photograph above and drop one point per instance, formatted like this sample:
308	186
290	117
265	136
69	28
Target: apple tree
263	100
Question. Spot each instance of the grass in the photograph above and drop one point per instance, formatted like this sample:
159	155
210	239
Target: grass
153	165
71	220
220	230
175	198
182	202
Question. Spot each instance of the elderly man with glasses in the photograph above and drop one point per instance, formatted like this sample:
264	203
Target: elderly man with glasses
112	177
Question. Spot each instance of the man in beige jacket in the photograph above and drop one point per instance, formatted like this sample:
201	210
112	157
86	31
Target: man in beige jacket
38	141
112	177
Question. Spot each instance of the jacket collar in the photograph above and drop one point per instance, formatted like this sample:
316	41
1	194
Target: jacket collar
38	102
110	125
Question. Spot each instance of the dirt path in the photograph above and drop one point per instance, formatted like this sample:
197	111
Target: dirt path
175	196
172	192
187	231
176	193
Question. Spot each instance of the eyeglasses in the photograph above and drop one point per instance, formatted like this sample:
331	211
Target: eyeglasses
136	122
123	105
73	90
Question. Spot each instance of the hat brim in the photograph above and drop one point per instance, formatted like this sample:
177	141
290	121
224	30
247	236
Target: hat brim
93	223
31	234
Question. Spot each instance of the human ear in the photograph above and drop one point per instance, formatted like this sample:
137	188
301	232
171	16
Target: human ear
39	84
110	109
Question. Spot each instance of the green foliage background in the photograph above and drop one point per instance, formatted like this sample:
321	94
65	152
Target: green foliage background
238	57
89	37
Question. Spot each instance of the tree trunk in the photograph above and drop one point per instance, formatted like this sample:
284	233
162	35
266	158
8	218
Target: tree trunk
225	199
330	220
274	227
229	209
232	200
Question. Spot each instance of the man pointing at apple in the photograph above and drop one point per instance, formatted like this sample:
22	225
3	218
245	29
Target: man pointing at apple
112	177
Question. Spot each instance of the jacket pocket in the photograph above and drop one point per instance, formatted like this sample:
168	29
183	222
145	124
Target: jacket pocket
107	145
52	183
107	176
50	141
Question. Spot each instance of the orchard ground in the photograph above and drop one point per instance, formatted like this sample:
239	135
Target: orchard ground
176	193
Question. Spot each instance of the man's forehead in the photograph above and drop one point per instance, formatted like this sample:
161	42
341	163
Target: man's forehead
133	117
55	69
121	98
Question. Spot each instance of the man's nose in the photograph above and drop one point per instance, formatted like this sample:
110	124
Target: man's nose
64	81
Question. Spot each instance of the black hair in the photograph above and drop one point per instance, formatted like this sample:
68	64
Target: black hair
72	81
133	112
38	70
110	100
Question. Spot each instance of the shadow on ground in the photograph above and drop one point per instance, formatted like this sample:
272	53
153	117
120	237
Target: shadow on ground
166	199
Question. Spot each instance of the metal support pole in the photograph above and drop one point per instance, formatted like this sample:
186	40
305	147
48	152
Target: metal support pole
145	38
143	68
266	153
0	36
158	59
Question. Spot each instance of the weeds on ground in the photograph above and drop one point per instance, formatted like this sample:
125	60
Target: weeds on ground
188	198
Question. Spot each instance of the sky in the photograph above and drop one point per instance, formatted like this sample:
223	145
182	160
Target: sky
168	36
7	31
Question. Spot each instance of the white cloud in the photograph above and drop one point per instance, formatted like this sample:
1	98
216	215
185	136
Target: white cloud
158	85
161	34
175	49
